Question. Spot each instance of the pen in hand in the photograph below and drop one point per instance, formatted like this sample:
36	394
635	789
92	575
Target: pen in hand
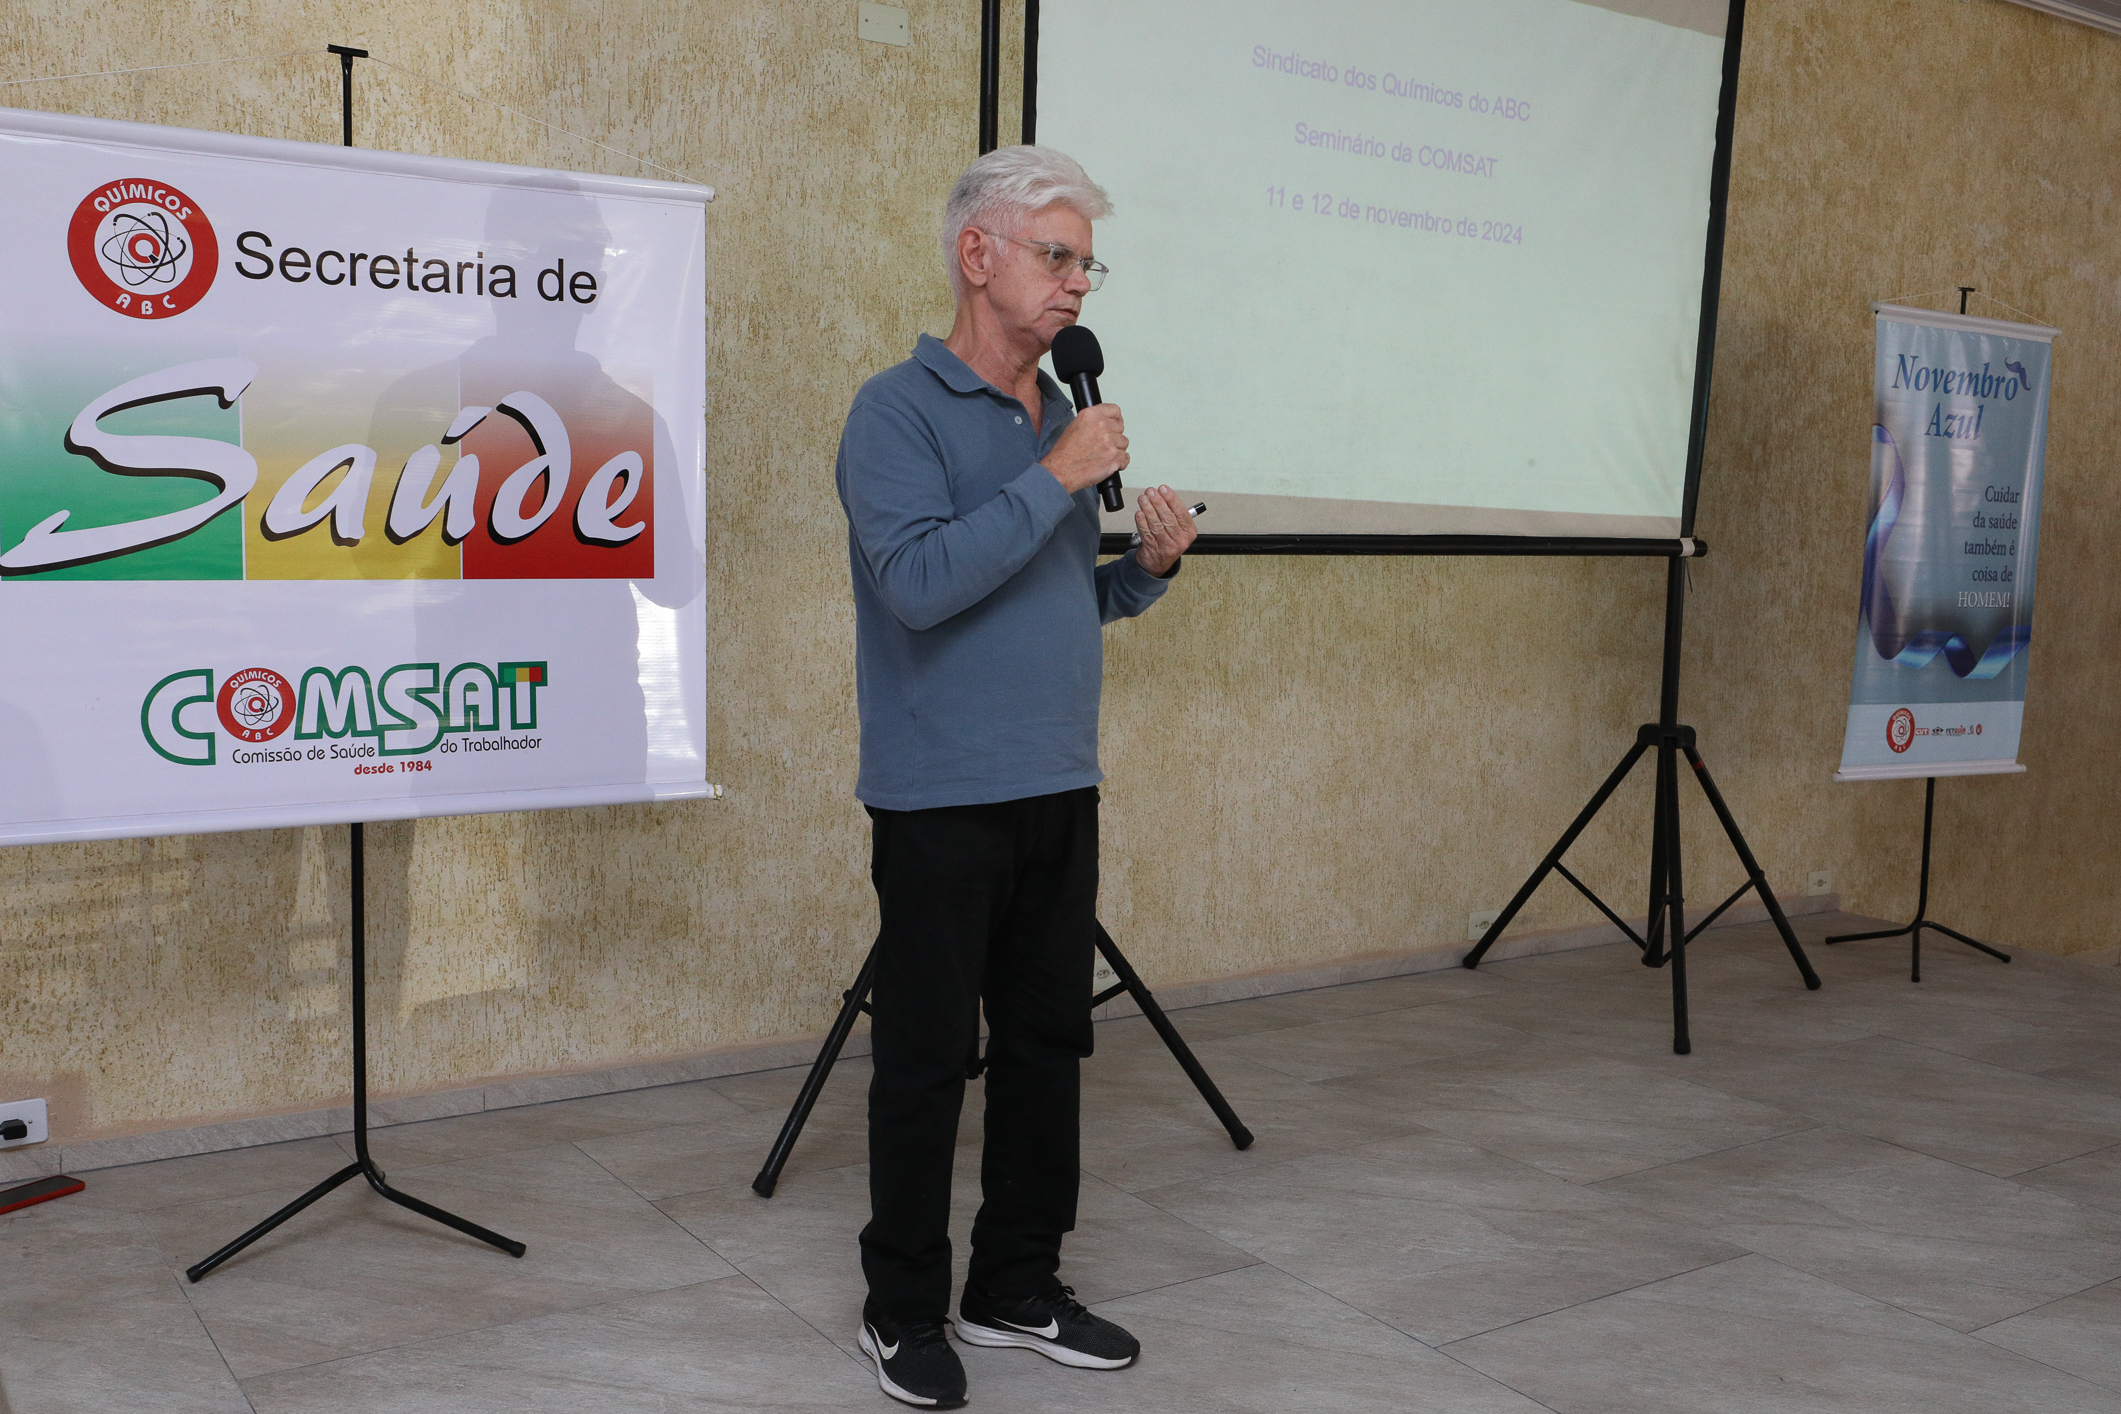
1198	508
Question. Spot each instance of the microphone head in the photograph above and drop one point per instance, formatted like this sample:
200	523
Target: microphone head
1075	351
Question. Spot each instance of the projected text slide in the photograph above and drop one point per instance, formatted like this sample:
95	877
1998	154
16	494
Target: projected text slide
1398	268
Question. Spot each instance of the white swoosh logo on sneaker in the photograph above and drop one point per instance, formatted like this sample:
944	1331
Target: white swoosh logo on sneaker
890	1352
1050	1330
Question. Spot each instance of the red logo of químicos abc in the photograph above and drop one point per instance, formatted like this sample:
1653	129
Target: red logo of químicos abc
142	247
1900	730
256	704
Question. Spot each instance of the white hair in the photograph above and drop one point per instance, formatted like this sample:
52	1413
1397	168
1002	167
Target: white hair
1016	181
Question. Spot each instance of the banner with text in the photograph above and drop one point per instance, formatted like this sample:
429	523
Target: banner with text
342	485
1957	446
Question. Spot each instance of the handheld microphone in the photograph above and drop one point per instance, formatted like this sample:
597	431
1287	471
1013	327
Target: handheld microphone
1078	361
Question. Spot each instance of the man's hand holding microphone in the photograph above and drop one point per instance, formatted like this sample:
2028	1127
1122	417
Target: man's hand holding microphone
1093	452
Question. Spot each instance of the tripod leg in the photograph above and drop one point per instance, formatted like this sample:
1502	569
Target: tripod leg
1995	953
1864	937
1180	1051
1546	866
198	1270
1674	902
1654	924
1753	870
828	1055
446	1219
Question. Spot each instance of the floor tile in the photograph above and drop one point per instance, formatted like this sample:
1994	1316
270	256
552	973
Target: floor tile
692	1158
1213	1022
1579	1117
92	1321
1194	1146
533	1126
232	1173
1959	1247
2092	1179
1482	1243
2080	1334
718	1346
1996	1120
2093	1063
798	1245
775	1090
1257	1342
1444	984
1365	1044
1750	1336
355	1273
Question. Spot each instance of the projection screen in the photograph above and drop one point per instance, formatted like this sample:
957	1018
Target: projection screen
1411	269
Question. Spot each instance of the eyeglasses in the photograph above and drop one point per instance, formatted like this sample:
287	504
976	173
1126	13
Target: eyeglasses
1060	261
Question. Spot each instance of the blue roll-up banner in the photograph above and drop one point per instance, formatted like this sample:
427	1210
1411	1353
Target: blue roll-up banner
1946	622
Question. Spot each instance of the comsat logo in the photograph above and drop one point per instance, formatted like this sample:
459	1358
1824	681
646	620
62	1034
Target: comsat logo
143	248
345	714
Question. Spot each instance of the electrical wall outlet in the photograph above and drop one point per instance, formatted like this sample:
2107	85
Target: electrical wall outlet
1819	881
1477	924
31	1113
884	24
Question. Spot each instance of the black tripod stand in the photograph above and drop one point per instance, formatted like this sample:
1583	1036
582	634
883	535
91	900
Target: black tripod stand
363	1166
855	1000
1667	918
1913	931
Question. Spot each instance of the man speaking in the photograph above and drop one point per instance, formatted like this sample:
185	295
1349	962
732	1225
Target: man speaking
972	536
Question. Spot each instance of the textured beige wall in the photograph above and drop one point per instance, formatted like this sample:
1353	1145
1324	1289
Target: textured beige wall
1309	758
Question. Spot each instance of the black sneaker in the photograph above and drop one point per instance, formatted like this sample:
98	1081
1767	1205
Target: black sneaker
1056	1325
914	1362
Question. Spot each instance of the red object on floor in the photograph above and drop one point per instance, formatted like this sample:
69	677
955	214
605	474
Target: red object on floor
42	1191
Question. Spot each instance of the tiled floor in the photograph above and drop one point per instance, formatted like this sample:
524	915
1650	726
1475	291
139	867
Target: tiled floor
1471	1192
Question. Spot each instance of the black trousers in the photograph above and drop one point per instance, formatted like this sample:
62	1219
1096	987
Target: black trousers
994	904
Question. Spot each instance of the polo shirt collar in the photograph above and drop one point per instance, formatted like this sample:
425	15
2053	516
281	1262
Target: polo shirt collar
957	375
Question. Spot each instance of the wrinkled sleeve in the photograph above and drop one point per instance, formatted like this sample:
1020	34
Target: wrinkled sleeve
929	562
1125	589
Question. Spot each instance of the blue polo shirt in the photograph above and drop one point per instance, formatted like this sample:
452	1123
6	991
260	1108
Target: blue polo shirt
978	599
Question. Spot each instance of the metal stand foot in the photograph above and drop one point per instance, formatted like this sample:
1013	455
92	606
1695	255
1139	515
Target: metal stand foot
363	1165
1913	931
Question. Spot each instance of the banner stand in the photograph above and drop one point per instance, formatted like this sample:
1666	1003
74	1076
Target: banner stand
1949	561
1913	931
364	1165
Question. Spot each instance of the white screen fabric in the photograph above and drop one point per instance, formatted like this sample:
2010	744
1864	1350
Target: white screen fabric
1413	268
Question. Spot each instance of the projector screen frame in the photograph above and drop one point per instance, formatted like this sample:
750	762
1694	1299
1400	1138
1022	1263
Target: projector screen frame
1296	543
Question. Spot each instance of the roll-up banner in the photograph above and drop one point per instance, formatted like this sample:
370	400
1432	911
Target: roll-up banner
1946	620
341	485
